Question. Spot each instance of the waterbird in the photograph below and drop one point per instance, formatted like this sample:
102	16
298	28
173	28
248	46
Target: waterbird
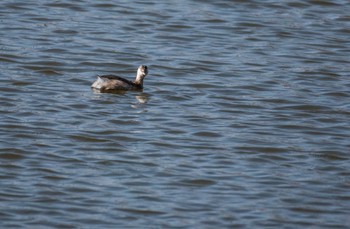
112	82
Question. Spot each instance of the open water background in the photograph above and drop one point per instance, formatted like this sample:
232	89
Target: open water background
244	121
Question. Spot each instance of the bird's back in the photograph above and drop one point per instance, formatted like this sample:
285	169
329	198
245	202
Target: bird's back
112	82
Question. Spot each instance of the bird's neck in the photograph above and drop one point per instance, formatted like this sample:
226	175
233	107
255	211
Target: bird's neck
139	80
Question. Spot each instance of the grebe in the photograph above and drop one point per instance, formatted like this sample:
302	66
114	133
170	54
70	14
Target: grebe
111	82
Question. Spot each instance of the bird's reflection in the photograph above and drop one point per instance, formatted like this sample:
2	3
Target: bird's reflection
117	92
142	98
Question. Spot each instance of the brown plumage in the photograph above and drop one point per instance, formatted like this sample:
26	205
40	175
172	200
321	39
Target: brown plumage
111	82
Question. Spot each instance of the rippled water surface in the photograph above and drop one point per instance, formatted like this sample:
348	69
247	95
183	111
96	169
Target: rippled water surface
243	122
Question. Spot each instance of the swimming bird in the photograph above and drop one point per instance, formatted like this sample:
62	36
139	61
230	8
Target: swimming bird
112	82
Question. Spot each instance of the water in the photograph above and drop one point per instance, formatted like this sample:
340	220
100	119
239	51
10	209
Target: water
243	122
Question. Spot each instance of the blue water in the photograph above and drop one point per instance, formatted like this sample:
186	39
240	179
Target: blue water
243	121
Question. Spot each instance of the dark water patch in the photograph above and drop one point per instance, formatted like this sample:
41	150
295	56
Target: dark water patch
207	134
262	149
21	83
10	60
338	94
66	32
17	6
197	182
55	50
141	211
13	154
306	108
88	139
43	19
104	5
44	69
298	4
49	72
71	6
250	24
323	3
